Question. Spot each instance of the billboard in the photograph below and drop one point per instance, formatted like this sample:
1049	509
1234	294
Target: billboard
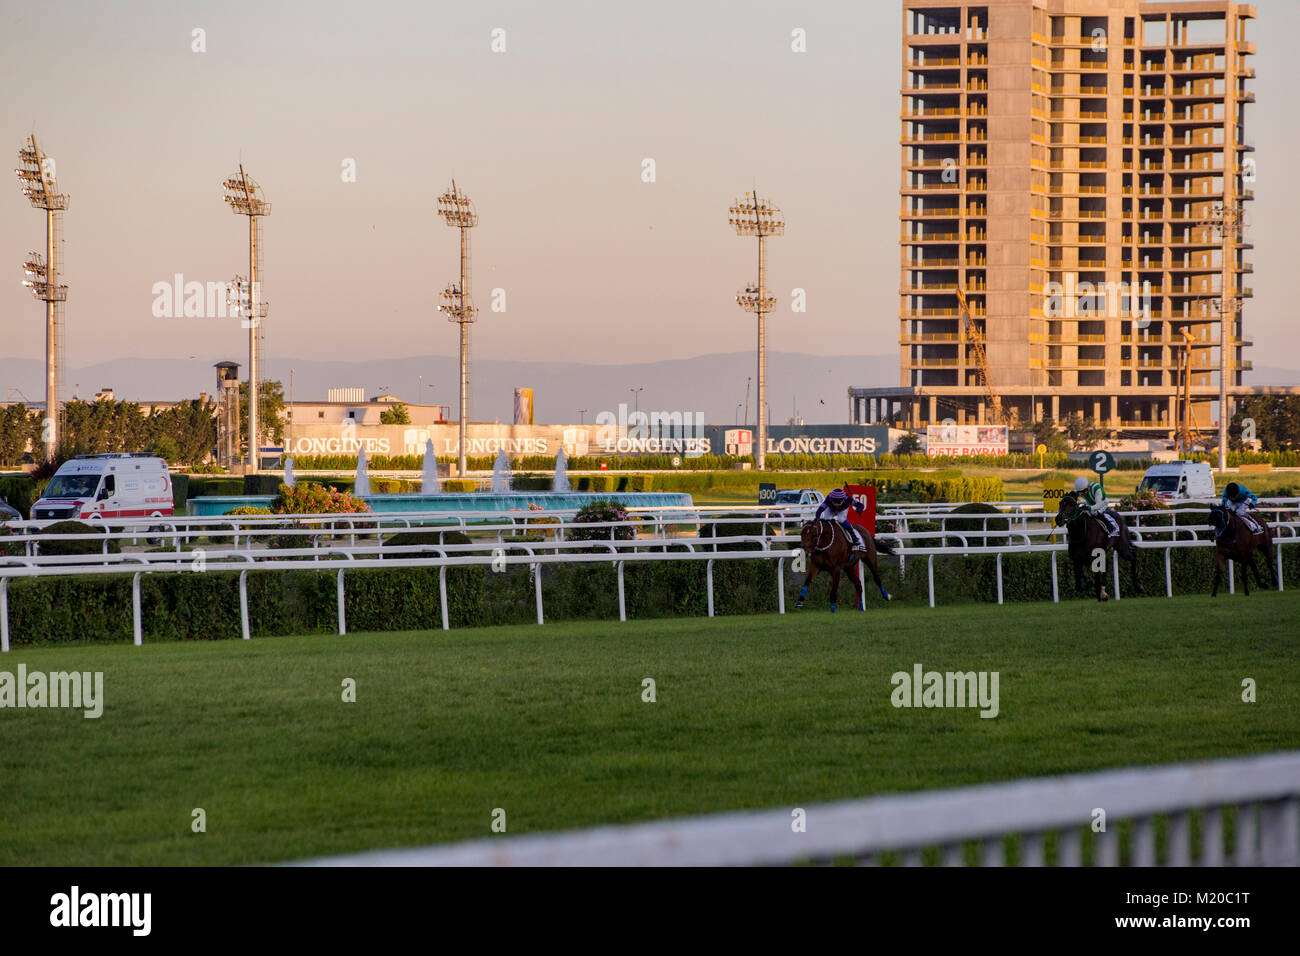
967	439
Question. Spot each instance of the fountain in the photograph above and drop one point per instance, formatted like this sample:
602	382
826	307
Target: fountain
560	483
501	474
362	486
288	472
429	484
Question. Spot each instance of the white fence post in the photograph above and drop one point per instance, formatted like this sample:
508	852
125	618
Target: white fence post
243	605
343	620
708	577
1056	596
1169	581
930	574
537	590
442	596
999	570
622	603
135	610
780	585
4	614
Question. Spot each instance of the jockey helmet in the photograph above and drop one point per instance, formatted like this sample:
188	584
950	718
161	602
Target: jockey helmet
1232	491
1081	484
838	496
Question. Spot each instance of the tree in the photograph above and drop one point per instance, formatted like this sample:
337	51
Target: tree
1085	434
1276	420
18	430
270	412
1048	432
397	415
909	444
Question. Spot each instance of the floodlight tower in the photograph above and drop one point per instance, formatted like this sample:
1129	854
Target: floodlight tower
245	199
38	182
458	211
752	216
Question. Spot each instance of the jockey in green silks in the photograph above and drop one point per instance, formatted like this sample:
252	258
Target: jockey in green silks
1092	498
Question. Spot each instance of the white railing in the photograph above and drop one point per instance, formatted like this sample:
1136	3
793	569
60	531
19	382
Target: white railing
942	824
341	541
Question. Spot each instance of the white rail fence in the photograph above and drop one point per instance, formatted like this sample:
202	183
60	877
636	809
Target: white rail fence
347	542
1264	792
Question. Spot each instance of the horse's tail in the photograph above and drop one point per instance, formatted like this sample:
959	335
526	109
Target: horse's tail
881	548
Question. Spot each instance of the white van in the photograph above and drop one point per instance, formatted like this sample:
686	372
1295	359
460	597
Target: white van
1179	479
95	487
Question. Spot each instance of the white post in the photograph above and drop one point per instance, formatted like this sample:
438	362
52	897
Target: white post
709	579
1169	581
1231	580
780	585
1114	566
537	588
135	610
442	596
4	611
930	572
1279	567
622	604
243	604
1056	597
343	621
999	569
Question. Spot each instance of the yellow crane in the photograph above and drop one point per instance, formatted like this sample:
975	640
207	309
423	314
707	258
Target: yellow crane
972	335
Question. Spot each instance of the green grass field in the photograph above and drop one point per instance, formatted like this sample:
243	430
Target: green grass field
549	724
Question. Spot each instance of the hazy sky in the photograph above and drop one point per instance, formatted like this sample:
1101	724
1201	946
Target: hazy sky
548	138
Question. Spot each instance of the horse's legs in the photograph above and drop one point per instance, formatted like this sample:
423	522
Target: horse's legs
835	588
855	576
1218	572
812	573
872	561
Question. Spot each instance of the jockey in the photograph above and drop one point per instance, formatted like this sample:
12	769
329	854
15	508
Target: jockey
1092	497
835	507
1238	499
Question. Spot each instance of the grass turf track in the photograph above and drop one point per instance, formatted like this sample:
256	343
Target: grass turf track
548	723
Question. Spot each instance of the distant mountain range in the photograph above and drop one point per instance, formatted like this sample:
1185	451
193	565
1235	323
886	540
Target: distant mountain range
713	384
815	385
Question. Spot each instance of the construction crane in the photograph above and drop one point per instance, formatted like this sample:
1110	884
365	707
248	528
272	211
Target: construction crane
1183	429
976	340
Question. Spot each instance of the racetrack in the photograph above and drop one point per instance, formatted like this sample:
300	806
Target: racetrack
548	723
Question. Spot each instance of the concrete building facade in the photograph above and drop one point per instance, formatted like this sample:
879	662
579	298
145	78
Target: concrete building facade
1073	167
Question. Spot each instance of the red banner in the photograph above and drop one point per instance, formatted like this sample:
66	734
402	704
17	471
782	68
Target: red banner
864	495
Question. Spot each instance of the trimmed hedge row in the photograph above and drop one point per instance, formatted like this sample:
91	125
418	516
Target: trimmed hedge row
206	606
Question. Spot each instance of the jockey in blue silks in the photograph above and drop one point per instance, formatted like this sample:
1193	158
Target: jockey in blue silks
836	508
1239	500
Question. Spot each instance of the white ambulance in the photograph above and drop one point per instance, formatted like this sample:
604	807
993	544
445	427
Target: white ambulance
95	487
1179	479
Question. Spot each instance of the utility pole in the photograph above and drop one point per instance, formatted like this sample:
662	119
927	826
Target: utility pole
759	218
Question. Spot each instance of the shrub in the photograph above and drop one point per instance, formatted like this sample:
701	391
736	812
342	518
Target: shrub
601	511
459	485
76	547
312	499
249	510
975	524
20	491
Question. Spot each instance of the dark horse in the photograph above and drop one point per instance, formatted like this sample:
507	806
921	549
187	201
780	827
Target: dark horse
1240	545
828	548
1086	536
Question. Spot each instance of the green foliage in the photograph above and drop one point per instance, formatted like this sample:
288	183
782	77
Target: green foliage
397	415
978	524
1048	432
459	485
1143	500
270	413
601	511
909	444
249	510
75	546
221	487
262	484
20	491
19	428
1276	418
307	498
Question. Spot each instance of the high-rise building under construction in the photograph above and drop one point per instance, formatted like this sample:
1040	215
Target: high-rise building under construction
1073	179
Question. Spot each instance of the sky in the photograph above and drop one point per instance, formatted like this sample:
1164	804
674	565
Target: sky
550	138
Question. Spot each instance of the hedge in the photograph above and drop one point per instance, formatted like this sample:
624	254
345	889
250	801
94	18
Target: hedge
206	606
20	492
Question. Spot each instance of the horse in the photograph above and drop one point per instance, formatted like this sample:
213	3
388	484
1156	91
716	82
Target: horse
1085	536
828	548
1241	548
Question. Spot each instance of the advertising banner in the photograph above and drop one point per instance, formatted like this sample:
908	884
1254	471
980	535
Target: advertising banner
864	495
967	439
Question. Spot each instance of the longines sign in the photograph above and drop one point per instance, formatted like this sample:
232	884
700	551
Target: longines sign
519	440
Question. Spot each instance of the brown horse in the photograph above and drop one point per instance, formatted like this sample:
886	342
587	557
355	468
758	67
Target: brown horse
828	548
1240	545
1087	539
